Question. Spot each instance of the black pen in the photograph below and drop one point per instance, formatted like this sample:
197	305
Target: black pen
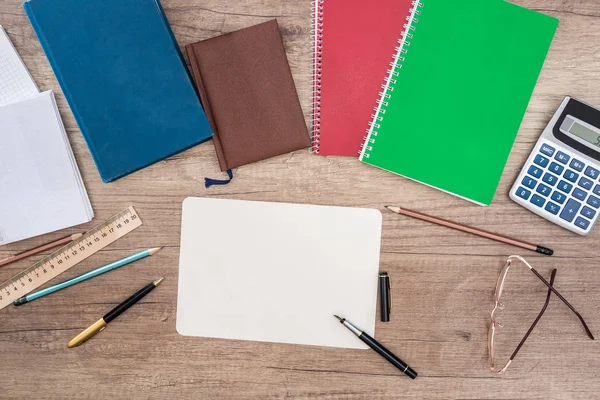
378	347
101	324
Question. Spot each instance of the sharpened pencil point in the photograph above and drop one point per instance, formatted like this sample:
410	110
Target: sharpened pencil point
76	236
393	209
156	283
155	250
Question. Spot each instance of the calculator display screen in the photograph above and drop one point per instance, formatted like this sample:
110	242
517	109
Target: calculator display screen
582	131
586	134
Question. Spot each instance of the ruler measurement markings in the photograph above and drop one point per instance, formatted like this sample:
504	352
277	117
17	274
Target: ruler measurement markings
70	255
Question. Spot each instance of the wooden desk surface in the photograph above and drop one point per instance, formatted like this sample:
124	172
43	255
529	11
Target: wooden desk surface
442	293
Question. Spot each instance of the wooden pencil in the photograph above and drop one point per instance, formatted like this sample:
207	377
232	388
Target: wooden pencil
475	231
37	250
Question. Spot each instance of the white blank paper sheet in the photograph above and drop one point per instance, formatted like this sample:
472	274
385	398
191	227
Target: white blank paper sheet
41	189
277	272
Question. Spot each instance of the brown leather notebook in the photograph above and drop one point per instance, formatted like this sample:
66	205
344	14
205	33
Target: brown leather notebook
249	96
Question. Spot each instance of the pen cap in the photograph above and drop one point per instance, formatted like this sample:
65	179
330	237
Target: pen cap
385	300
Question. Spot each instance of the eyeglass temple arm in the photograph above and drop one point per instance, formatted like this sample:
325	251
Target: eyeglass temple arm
589	333
512	357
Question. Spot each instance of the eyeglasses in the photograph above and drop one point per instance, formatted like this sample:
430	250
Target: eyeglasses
500	306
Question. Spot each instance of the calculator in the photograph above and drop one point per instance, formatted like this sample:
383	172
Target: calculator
560	180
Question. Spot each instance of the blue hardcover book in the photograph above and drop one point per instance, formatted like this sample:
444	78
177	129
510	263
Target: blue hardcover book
124	77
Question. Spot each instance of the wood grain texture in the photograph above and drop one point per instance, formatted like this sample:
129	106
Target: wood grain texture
442	293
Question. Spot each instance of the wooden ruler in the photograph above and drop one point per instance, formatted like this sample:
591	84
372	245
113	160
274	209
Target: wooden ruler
66	257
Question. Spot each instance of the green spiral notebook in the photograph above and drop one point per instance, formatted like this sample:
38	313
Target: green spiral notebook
457	93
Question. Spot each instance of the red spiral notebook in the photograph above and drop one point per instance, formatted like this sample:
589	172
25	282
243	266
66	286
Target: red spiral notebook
354	45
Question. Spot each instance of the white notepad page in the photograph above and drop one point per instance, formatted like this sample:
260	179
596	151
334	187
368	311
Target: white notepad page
40	185
15	81
277	272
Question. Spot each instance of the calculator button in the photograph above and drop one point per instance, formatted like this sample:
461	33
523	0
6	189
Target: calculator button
579	194
523	193
586	183
543	190
538	201
529	182
547	150
588	213
552	208
576	165
593	201
556	168
562	157
564	186
570	211
592	172
535	171
559	197
571	176
541	161
597	190
550	179
582	223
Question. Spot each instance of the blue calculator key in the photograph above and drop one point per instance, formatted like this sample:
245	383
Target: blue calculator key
586	183
562	157
588	213
535	171
594	202
543	190
558	197
538	201
550	179
582	223
523	193
541	161
592	172
579	194
564	186
547	150
529	182
597	190
577	165
570	211
571	176
552	208
556	168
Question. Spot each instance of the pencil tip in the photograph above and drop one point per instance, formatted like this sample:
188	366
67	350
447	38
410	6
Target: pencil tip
76	236
394	209
339	318
155	250
157	282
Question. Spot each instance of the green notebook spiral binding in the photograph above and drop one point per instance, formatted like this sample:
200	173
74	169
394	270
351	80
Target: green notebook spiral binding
456	94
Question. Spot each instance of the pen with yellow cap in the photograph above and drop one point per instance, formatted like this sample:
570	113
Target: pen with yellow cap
100	325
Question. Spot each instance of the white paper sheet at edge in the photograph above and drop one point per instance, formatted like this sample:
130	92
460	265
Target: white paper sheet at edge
14	75
277	272
42	190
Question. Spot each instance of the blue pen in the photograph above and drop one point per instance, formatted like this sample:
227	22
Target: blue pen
86	276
